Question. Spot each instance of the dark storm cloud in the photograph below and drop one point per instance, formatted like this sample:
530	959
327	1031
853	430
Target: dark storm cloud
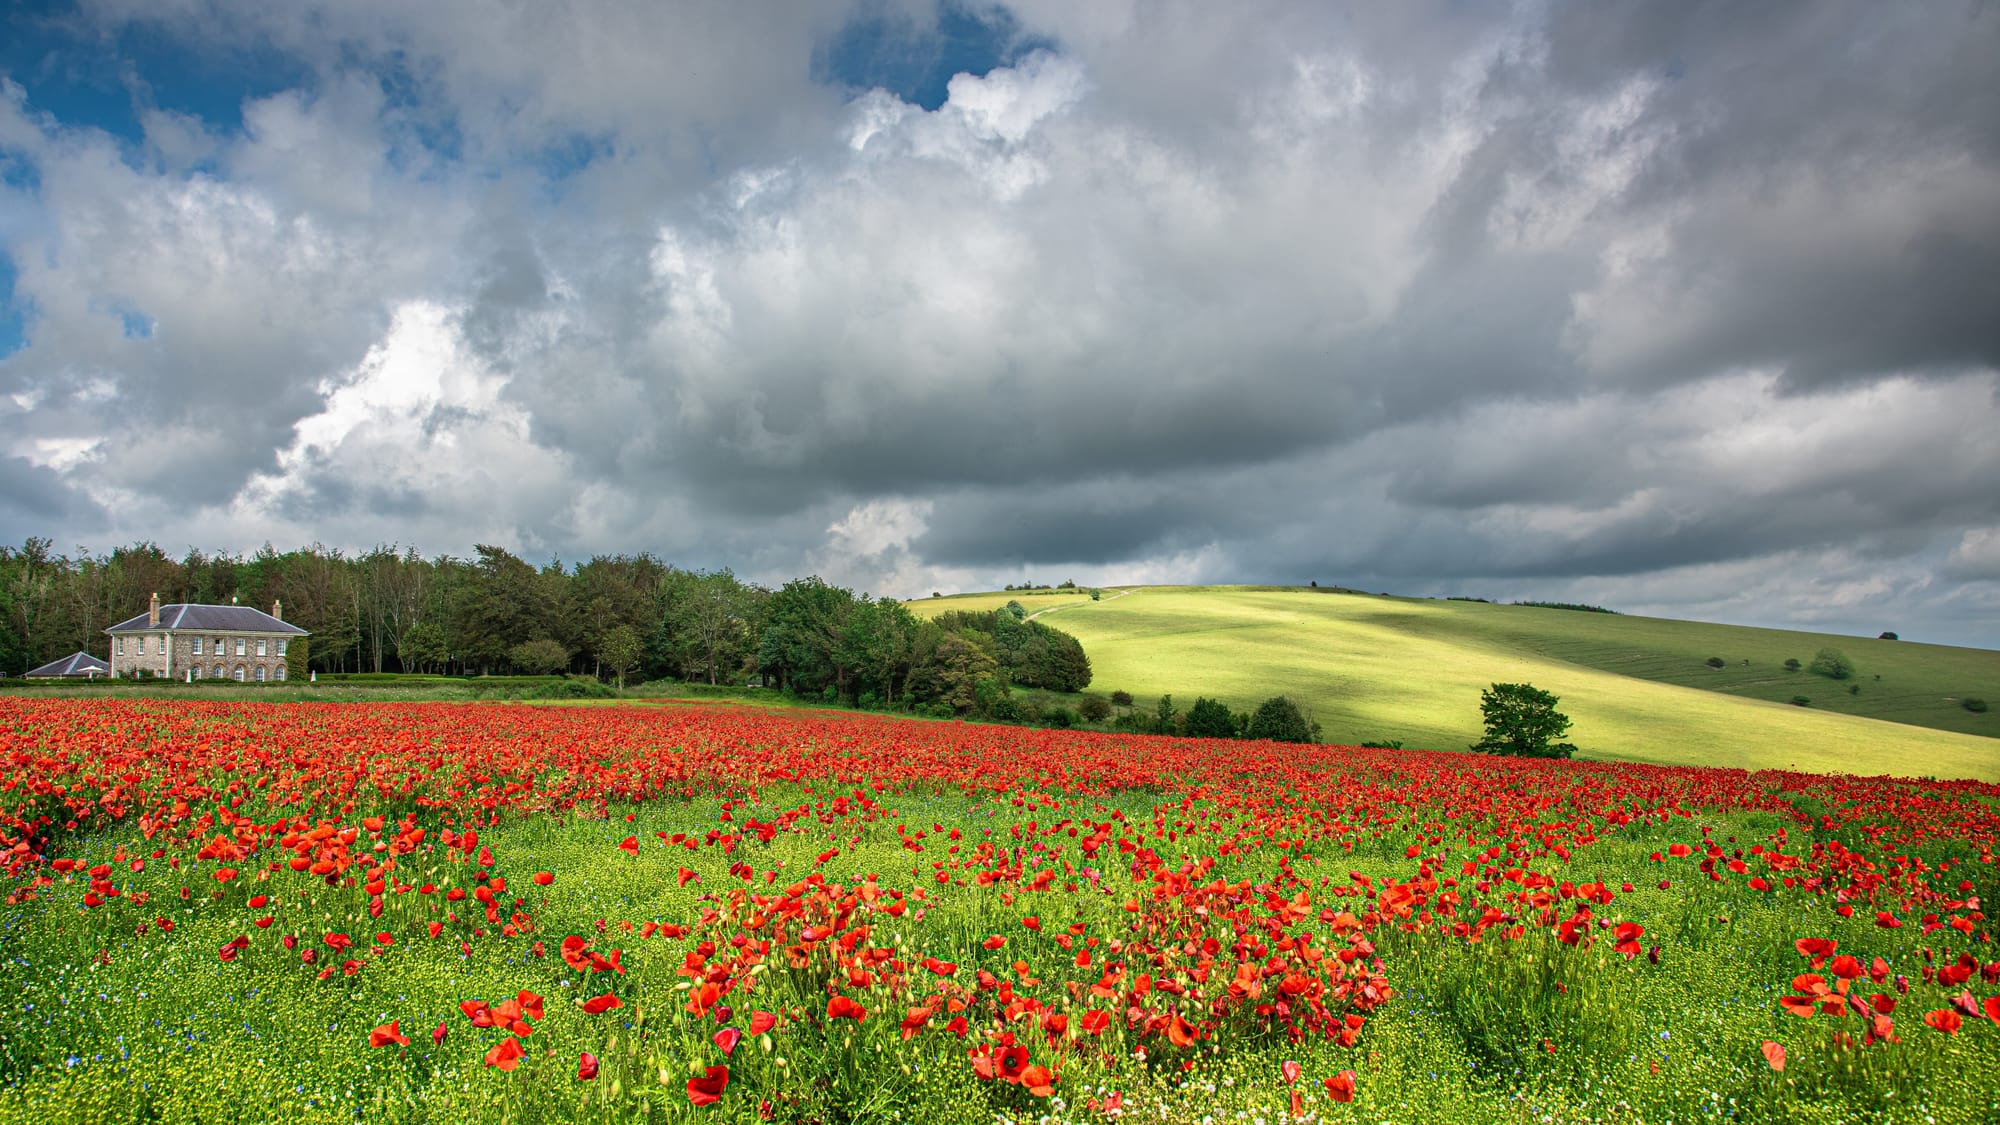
1655	297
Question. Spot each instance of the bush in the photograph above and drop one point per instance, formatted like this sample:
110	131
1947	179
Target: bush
1278	719
1094	709
1792	664
1854	689
1831	663
1716	662
1801	701
1522	721
1121	699
1973	704
539	657
573	688
1061	718
1209	718
1888	637
1384	744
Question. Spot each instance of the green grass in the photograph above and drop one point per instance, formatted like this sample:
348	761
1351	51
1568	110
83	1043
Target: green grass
1374	668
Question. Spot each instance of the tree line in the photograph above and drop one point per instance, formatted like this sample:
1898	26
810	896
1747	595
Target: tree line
391	609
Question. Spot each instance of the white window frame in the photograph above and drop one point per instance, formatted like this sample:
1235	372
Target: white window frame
261	642
283	643
121	646
239	646
197	646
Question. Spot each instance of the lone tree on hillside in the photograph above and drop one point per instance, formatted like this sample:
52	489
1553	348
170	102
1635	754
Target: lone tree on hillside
1280	720
1831	663
1522	722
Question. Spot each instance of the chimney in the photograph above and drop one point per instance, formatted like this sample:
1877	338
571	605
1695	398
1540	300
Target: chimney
277	609
153	613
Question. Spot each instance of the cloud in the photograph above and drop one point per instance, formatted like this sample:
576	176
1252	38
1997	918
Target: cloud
1675	307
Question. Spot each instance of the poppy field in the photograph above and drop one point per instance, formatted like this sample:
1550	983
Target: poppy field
224	911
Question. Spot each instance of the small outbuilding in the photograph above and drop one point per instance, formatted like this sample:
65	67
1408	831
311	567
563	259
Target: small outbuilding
76	666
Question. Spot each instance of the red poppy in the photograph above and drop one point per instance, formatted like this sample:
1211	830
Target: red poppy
505	1054
707	1090
841	1007
1290	1069
543	879
1341	1086
630	844
1038	1081
586	1067
1945	1020
438	1033
1774	1053
727	1039
388	1033
761	1022
604	1003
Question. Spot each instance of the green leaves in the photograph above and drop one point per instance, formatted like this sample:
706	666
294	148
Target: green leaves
1522	722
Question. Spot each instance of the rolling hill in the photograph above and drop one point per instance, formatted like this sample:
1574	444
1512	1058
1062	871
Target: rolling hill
1375	668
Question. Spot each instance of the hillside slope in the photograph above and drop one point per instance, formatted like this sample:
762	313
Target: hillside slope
1374	668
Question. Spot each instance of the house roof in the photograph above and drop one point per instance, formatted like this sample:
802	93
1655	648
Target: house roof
75	664
222	618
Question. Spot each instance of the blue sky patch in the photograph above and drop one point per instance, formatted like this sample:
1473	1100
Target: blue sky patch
887	50
13	322
82	77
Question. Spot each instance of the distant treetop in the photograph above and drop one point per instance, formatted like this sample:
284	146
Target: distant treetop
1577	606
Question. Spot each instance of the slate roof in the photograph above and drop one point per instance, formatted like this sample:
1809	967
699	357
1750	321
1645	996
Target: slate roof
220	618
75	664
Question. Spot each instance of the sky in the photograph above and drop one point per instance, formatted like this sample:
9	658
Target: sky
1688	309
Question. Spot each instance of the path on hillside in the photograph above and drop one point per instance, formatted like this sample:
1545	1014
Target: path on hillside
1074	605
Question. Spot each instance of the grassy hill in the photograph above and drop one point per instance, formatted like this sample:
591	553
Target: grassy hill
1375	668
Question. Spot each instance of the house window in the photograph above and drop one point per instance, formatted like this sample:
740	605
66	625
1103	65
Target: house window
260	646
195	672
260	673
197	646
239	649
219	673
121	646
282	643
281	671
239	673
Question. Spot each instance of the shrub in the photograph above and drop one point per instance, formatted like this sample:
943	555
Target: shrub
1888	637
1094	709
1522	721
1278	719
1121	698
1831	663
573	688
1384	744
539	657
1061	718
1973	704
1854	689
1209	718
1801	701
1792	664
1716	662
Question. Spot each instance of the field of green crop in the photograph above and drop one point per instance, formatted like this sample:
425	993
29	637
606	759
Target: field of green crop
1411	670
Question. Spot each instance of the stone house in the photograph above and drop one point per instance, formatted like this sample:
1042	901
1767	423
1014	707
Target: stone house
203	642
